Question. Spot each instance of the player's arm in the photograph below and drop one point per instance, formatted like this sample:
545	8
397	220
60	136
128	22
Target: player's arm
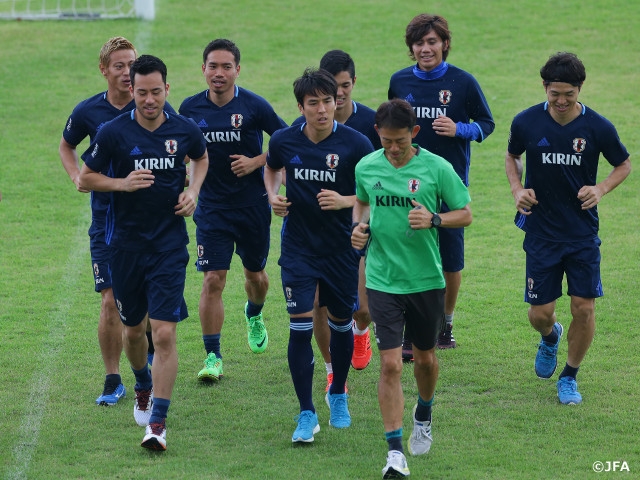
136	180
243	165
525	198
272	181
330	200
590	195
187	199
420	217
71	163
360	229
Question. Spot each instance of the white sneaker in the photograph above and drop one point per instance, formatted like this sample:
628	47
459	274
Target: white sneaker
142	407
155	437
420	439
396	466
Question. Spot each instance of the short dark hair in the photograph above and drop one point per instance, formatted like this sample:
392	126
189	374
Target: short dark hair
314	82
336	61
396	113
563	67
146	64
422	24
222	44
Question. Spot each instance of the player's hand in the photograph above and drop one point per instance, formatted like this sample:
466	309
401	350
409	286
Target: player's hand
137	180
419	216
186	204
242	165
360	235
590	196
330	200
444	126
280	205
525	199
79	188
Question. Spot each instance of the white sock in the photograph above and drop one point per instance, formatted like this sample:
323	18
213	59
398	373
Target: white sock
329	368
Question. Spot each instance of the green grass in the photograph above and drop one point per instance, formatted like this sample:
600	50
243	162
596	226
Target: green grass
493	418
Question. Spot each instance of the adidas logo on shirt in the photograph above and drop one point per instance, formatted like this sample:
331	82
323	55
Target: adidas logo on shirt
378	186
296	161
136	151
203	123
409	98
544	142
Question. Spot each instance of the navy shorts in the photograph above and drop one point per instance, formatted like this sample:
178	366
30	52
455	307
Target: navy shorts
420	314
335	277
100	258
451	241
219	230
150	283
548	262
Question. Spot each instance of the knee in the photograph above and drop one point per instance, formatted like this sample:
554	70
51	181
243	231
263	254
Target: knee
391	367
214	282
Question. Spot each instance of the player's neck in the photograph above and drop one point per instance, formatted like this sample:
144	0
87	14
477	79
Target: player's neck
118	98
316	135
568	117
221	99
342	115
401	162
148	124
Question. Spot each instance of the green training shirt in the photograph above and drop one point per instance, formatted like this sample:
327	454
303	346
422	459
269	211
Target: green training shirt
401	260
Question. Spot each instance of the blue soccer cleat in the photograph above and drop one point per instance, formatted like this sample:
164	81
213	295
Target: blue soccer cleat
547	356
568	391
108	399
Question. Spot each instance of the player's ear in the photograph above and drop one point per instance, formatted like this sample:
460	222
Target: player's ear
415	131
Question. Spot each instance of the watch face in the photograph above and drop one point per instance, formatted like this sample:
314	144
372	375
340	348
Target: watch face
436	220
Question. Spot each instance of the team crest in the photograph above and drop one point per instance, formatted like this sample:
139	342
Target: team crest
530	283
236	120
96	270
332	160
200	251
414	185
579	144
288	292
171	146
444	96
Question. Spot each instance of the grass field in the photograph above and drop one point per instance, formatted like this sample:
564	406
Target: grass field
493	419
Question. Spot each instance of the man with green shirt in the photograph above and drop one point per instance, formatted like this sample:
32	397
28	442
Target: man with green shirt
399	190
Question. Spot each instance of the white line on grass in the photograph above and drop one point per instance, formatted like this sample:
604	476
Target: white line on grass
53	340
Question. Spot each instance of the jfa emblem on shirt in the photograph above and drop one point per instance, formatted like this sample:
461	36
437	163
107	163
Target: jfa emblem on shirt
171	146
236	120
414	185
444	96
530	283
200	251
332	160
96	270
288	292
579	144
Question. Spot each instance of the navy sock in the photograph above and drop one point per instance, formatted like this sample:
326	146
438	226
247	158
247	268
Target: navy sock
159	410
151	348
111	382
301	361
552	338
423	411
569	371
143	378
212	344
253	309
394	439
341	347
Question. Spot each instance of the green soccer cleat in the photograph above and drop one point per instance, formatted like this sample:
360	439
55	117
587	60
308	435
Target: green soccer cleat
212	371
256	333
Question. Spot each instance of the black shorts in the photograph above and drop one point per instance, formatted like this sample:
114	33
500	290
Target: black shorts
419	313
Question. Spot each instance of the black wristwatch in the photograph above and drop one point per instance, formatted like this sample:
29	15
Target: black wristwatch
436	221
